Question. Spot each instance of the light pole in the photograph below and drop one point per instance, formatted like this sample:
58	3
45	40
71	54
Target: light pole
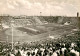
12	32
78	19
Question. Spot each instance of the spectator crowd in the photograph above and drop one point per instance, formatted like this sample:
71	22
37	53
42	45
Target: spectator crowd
62	47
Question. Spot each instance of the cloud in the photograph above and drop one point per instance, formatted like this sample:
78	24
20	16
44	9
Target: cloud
56	7
37	5
10	6
15	3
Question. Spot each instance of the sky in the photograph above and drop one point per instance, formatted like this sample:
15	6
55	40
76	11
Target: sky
34	7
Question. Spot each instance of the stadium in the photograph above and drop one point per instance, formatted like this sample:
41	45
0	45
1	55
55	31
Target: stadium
35	28
39	36
39	28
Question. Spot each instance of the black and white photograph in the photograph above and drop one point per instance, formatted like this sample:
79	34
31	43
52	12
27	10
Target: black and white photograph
39	27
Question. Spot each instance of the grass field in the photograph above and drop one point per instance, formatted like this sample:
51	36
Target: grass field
24	34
